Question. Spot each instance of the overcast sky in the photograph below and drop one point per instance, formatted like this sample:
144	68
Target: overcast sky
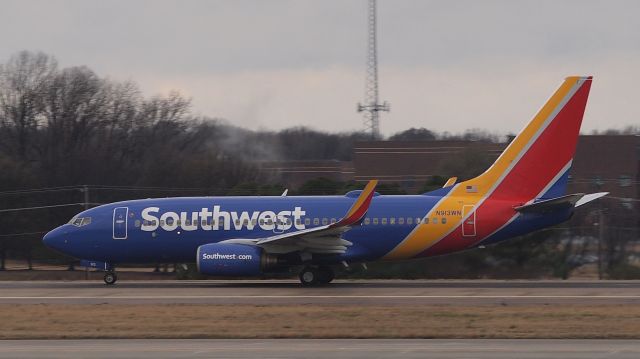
444	65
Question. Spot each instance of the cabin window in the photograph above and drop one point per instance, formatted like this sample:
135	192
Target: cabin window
169	221
245	222
384	221
178	222
213	222
203	223
444	220
237	222
333	220
325	221
316	221
401	220
307	221
392	220
426	220
409	220
162	222
375	221
187	222
137	223
367	221
254	222
417	220
435	220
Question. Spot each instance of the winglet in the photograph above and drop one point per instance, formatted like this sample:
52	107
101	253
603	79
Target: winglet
450	182
360	206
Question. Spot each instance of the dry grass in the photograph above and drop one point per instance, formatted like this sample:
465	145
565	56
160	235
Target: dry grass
316	321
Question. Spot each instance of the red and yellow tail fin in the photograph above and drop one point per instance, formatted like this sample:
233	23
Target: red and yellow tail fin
542	151
534	165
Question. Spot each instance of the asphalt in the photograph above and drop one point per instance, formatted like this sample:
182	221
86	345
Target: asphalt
361	292
318	348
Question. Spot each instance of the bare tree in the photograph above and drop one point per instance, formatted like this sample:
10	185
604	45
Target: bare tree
23	83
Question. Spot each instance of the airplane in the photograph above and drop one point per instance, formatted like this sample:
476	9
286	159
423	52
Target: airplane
523	191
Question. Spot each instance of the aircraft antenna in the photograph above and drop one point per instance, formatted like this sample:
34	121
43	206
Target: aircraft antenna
372	106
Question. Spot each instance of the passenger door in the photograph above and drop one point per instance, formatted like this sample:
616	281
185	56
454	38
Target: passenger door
120	219
469	224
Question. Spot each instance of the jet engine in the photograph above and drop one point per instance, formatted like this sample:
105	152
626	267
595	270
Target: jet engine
233	260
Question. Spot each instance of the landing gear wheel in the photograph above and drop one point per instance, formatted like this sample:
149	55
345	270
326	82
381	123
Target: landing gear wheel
309	276
110	278
326	275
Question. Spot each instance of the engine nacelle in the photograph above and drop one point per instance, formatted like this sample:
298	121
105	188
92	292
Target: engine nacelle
233	260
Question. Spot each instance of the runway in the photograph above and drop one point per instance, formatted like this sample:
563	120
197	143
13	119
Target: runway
361	292
315	348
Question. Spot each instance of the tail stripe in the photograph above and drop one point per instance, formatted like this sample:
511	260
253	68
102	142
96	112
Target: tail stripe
542	162
547	188
424	236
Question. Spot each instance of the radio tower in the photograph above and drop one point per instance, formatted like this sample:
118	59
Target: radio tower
372	105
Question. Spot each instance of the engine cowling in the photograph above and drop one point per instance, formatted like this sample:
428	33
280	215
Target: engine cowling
233	260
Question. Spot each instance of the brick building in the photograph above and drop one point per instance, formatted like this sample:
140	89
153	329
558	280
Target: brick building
411	163
607	163
294	173
602	163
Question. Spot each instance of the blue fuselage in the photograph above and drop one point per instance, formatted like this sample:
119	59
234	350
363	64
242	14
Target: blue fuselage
171	229
104	239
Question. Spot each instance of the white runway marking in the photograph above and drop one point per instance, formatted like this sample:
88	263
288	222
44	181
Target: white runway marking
333	297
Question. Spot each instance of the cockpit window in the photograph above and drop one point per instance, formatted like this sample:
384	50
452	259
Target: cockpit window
80	221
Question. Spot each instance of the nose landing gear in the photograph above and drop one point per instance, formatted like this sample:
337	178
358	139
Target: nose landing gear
110	278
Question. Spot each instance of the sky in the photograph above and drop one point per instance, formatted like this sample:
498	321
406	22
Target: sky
444	65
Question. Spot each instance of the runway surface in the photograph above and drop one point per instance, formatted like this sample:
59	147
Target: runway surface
316	348
361	292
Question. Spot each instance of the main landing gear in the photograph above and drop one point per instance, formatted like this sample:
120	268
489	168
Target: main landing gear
110	278
312	276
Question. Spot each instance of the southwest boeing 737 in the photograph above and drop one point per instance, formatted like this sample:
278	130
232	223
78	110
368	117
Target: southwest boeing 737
523	191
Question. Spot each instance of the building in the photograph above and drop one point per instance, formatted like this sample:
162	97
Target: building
293	174
602	163
607	163
412	163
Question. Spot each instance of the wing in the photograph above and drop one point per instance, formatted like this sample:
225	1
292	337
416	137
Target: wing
321	239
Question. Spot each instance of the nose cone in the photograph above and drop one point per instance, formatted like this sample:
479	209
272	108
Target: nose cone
54	239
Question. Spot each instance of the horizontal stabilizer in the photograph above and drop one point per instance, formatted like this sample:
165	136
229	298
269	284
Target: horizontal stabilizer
550	205
568	201
590	197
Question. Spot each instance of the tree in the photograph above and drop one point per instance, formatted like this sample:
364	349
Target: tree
414	134
24	80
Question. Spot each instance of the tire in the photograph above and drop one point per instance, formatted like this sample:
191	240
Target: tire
309	276
326	275
110	278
